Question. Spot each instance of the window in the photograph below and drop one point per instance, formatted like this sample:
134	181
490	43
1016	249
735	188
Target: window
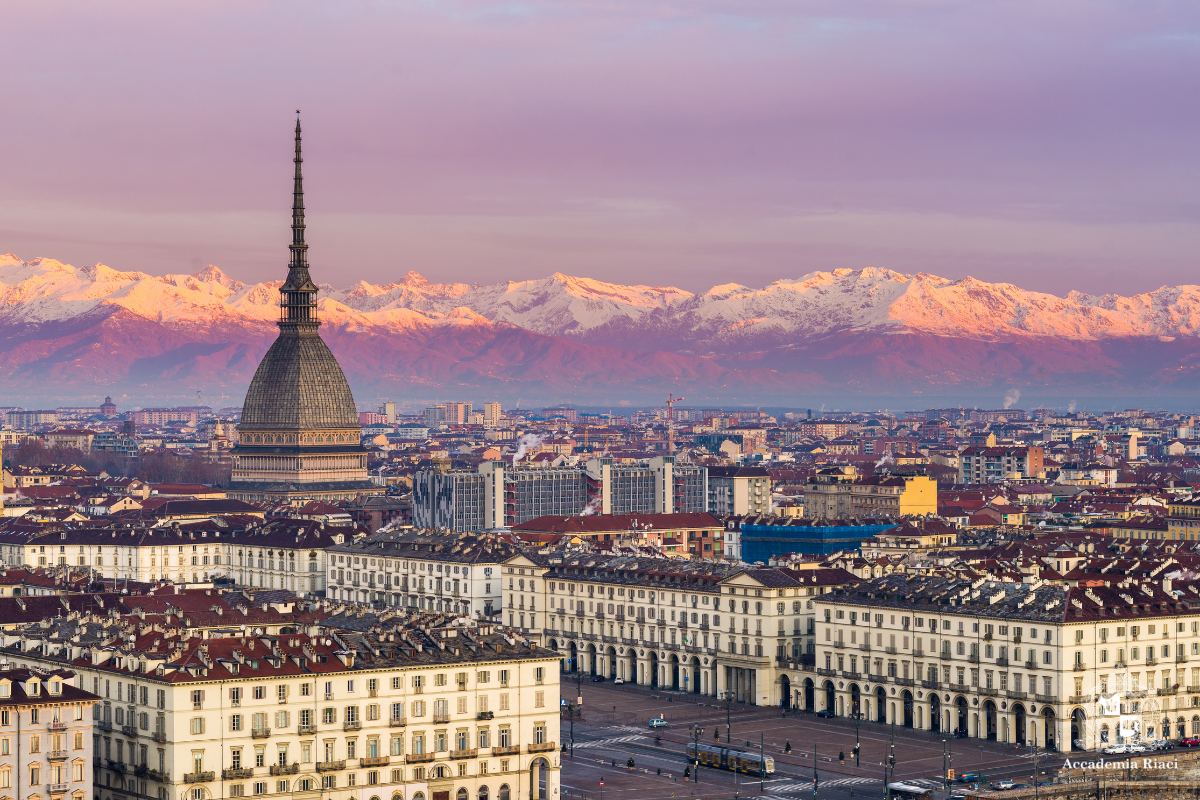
235	722
197	725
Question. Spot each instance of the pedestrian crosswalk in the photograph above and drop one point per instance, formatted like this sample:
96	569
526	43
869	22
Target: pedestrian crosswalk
800	786
610	741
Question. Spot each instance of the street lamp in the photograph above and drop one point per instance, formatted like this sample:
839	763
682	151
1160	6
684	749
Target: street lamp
697	733
857	745
728	698
573	710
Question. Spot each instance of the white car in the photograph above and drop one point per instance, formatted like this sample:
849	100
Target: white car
1002	785
1135	748
1116	750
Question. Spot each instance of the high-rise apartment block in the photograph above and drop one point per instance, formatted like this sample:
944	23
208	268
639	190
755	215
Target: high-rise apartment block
498	494
491	414
739	490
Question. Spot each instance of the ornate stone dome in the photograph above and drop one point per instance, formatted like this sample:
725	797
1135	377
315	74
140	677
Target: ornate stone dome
298	385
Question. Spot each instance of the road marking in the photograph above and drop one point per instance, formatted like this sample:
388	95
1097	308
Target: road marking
610	741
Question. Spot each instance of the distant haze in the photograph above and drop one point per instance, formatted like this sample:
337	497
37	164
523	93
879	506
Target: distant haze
1046	143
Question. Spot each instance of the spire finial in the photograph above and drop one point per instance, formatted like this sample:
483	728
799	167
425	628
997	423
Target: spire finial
299	248
298	295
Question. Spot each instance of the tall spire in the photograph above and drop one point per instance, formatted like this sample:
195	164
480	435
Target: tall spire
299	248
298	295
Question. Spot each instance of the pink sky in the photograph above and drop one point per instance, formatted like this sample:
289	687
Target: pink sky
1050	144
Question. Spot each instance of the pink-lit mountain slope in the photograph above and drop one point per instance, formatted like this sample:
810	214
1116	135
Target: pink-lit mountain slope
848	332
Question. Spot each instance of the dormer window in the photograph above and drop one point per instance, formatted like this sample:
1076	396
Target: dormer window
35	688
55	687
5	689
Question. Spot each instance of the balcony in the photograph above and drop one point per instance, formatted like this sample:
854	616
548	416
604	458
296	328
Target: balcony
544	747
973	658
306	730
232	774
1193	689
285	769
865	647
56	788
1150	662
458	755
284	699
199	777
1045	698
1016	695
1002	661
418	758
373	692
441	719
828	673
397	722
374	761
330	766
510	750
891	651
987	690
158	775
1180	659
930	684
129	730
1078	667
352	725
918	653
1167	692
944	656
329	695
1031	665
58	726
961	688
116	766
260	733
159	736
904	681
1079	699
58	755
485	715
839	644
104	724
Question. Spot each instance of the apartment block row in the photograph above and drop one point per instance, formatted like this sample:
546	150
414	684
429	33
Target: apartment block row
440	706
1023	663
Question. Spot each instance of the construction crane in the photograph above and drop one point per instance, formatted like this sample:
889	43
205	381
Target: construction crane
671	401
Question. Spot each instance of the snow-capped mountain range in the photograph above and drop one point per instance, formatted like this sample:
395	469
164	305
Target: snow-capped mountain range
820	303
847	331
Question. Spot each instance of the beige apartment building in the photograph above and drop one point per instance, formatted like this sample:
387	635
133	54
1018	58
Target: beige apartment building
1024	663
702	627
458	711
45	735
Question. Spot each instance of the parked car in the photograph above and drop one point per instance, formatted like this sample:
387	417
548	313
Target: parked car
1021	786
825	713
1045	783
1002	785
1135	748
618	680
658	723
597	679
1190	741
1116	750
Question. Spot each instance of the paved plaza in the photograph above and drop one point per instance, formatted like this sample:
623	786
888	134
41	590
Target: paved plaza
614	729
